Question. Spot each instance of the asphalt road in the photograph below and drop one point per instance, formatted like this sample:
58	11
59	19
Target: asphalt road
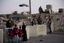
50	38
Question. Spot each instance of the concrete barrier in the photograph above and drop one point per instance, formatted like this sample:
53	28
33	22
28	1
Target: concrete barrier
6	34
36	30
1	35
52	28
27	30
41	30
32	31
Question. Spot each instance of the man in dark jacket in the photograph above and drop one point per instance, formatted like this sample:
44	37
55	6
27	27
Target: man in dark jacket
9	23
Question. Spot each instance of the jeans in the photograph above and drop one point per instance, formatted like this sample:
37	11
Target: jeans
10	39
20	39
16	38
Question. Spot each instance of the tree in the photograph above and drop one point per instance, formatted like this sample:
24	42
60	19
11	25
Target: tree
40	10
8	16
15	12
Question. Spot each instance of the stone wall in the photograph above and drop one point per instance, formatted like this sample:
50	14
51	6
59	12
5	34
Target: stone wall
57	19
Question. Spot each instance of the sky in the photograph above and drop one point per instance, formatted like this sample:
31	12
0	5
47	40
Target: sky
9	6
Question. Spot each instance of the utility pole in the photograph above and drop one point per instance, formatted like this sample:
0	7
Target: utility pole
30	7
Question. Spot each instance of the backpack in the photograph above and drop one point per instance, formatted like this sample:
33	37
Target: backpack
15	31
10	32
20	33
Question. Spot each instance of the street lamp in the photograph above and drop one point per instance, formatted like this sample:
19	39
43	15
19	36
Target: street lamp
22	5
30	6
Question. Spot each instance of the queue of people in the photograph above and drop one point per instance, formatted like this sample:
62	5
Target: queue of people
16	34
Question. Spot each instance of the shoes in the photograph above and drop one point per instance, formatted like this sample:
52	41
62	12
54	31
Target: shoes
50	32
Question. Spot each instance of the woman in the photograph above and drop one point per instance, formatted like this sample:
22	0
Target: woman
24	32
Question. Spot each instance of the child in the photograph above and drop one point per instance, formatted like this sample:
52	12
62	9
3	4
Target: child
20	34
10	35
15	31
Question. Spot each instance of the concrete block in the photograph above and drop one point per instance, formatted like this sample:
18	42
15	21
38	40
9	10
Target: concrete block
41	30
36	30
1	35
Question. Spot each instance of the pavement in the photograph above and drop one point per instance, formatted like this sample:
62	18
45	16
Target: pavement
57	37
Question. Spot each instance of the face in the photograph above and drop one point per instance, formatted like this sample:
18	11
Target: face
9	21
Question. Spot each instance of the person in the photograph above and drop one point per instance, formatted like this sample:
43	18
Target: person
20	34
32	23
24	32
10	35
15	31
49	25
39	20
9	23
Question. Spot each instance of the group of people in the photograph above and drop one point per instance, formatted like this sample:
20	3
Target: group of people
19	34
16	34
36	20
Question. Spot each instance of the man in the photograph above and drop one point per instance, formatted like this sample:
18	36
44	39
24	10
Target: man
49	25
9	23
